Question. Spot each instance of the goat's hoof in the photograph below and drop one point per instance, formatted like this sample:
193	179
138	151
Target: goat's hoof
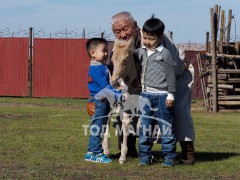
122	161
107	154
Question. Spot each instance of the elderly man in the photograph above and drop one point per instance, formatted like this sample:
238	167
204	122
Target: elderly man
125	27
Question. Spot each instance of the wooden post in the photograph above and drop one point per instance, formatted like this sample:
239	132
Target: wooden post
203	83
222	28
229	26
102	34
84	34
217	11
214	60
207	42
226	56
30	62
237	47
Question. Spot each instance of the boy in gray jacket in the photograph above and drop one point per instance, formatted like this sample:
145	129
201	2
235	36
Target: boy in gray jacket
158	90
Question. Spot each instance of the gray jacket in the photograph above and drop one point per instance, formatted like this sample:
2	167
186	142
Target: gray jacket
158	70
177	54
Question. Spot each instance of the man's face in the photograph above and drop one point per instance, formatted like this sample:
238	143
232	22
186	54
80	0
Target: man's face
124	29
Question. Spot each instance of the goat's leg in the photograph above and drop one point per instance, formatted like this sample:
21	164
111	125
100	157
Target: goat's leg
158	140
125	131
105	142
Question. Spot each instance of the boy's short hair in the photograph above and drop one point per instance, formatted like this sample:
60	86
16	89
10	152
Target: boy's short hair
93	43
153	26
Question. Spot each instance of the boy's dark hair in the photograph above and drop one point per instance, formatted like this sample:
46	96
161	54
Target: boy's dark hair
93	43
153	26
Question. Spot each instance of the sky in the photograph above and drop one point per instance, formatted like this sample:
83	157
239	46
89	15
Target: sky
189	20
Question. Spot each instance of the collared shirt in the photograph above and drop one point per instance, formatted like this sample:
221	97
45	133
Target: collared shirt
158	71
151	51
152	89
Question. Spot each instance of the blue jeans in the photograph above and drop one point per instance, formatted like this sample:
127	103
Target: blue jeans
155	113
98	122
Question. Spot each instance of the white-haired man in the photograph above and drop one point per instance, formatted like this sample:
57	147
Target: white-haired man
125	27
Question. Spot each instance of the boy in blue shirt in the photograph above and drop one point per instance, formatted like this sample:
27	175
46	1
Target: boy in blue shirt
100	88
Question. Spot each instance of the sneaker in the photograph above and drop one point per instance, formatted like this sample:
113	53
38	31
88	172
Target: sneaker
146	162
168	163
97	158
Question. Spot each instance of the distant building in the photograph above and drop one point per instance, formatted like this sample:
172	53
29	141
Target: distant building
191	46
191	51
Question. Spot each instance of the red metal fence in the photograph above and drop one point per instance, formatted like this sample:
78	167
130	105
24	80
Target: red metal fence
59	68
13	66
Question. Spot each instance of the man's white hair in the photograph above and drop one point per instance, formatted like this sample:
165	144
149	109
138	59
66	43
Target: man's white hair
122	16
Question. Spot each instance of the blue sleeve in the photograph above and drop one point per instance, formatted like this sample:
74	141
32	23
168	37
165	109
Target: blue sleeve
110	93
115	91
100	76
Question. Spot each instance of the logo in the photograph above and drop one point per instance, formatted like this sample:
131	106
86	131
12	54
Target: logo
90	79
160	58
136	107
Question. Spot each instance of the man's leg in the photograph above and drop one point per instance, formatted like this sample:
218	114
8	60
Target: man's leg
188	152
132	150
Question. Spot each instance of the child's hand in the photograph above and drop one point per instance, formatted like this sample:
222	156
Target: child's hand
169	103
125	97
123	87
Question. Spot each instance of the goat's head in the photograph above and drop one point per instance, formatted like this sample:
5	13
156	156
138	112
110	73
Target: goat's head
120	59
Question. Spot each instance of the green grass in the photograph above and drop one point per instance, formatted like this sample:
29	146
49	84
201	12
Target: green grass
43	138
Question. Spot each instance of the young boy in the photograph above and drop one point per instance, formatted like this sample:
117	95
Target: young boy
157	97
98	83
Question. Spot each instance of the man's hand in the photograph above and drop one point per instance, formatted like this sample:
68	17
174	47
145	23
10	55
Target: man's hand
169	103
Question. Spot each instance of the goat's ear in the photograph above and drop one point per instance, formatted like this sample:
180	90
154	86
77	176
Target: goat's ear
135	23
129	43
114	44
117	43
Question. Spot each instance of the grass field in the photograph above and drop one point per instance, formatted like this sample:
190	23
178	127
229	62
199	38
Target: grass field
44	139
